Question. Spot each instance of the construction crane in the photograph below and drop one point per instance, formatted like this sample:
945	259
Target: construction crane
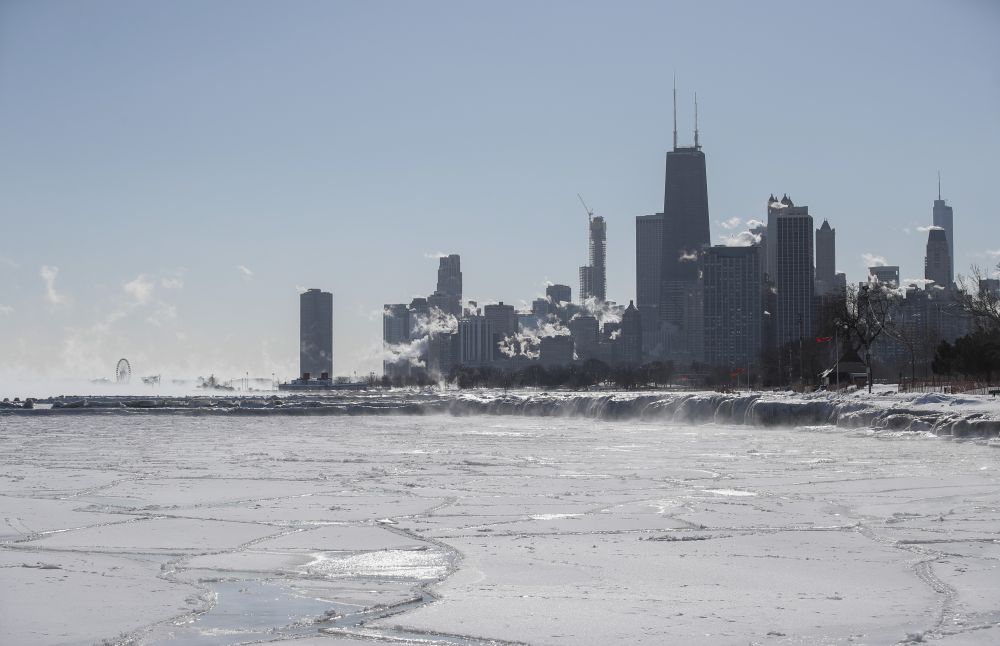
590	212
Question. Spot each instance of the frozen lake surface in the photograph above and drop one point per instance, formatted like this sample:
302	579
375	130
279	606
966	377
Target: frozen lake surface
440	529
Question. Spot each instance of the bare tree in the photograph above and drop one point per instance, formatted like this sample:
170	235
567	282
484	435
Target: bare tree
978	301
862	316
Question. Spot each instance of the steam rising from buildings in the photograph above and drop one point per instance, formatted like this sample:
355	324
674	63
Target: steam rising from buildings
750	302
871	260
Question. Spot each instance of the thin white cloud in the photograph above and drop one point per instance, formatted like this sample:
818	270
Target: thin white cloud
300	289
731	223
6	309
9	262
49	275
993	252
172	283
245	271
140	289
435	255
929	227
871	260
163	313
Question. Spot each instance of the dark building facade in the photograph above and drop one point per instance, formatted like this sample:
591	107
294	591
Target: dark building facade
476	345
556	350
944	217
733	306
937	263
585	332
631	336
449	284
648	279
794	273
685	232
503	318
826	261
316	333
559	294
395	331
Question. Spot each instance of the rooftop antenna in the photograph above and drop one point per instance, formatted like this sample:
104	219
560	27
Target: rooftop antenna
675	111
939	186
590	212
696	146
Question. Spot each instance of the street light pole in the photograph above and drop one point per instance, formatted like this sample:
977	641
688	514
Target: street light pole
802	376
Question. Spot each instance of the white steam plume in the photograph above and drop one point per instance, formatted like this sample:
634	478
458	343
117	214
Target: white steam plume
527	342
871	260
741	239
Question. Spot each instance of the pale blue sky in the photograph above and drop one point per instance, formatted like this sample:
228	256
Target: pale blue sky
148	150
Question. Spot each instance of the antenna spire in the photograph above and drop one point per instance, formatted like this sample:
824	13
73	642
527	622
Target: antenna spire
939	186
675	111
696	146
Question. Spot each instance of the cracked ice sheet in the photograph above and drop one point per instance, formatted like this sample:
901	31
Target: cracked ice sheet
585	587
157	535
821	587
24	517
88	596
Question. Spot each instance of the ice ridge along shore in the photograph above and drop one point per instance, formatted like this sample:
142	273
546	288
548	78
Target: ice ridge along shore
971	416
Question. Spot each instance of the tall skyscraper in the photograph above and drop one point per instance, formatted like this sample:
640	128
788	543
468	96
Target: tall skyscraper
794	273
593	277
648	280
631	337
449	284
937	262
944	218
774	207
685	233
826	263
733	306
648	256
316	333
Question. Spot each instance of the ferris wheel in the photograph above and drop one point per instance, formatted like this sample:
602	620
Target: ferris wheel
123	372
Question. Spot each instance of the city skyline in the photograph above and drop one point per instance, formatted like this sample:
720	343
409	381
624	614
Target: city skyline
185	276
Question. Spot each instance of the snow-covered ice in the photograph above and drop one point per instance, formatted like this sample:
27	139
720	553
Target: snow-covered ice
592	527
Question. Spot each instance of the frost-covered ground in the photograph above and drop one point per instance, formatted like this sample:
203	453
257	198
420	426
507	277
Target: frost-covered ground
472	528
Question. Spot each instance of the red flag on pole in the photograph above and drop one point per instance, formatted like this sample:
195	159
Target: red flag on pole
824	339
